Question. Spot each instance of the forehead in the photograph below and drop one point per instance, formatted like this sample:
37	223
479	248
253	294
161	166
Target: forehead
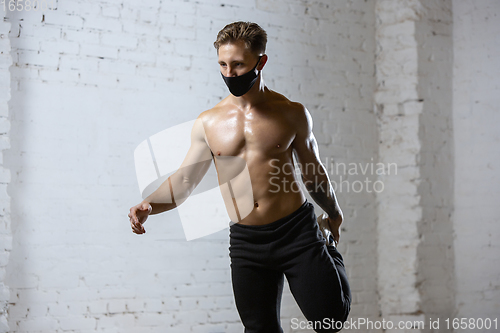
236	49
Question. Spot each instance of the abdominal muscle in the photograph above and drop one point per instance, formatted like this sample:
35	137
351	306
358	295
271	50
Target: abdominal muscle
273	195
272	208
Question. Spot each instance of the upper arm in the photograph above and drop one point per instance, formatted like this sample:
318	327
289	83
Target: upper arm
304	145
198	158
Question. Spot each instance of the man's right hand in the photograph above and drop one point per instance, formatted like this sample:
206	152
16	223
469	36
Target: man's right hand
138	215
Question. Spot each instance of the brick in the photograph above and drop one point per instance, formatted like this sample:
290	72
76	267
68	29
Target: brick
120	321
57	309
132	27
69	62
42	59
154	320
4	175
18	311
138	305
192	317
59	76
77	323
111	11
71	20
221	316
4	27
153	305
38	324
99	51
119	40
60	46
81	36
80	8
26	43
4	293
137	56
38	310
105	24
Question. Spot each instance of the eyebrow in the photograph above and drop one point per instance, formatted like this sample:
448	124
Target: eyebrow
223	62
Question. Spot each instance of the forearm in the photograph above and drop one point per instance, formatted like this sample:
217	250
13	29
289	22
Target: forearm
160	208
321	190
165	198
178	187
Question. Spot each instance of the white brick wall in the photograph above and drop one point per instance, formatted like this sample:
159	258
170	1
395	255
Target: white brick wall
398	110
89	81
476	101
436	100
5	228
92	80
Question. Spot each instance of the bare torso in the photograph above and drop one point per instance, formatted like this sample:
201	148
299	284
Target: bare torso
261	130
261	135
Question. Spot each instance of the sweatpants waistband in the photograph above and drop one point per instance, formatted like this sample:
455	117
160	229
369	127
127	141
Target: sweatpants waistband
298	224
276	224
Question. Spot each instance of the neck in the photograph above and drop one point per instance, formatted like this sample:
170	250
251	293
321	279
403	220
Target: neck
254	96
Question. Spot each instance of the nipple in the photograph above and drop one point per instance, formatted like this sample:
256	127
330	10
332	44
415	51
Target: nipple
218	153
278	145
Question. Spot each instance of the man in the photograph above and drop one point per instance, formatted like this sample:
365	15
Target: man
280	236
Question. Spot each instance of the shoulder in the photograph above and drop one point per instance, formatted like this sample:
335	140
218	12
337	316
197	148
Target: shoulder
298	114
208	115
294	109
206	119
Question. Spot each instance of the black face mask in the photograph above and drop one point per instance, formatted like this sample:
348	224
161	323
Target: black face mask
240	85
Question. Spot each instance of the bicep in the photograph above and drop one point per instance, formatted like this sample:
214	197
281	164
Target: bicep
198	157
305	145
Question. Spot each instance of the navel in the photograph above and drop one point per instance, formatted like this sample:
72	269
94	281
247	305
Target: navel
278	145
256	204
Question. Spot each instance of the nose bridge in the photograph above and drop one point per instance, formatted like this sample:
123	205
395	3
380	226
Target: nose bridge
228	71
231	71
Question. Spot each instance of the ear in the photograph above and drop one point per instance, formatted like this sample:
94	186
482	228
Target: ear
263	62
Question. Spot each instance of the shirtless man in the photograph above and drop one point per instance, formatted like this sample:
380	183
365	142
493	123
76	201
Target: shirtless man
280	236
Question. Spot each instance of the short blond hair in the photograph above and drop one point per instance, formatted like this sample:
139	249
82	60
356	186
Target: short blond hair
252	34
